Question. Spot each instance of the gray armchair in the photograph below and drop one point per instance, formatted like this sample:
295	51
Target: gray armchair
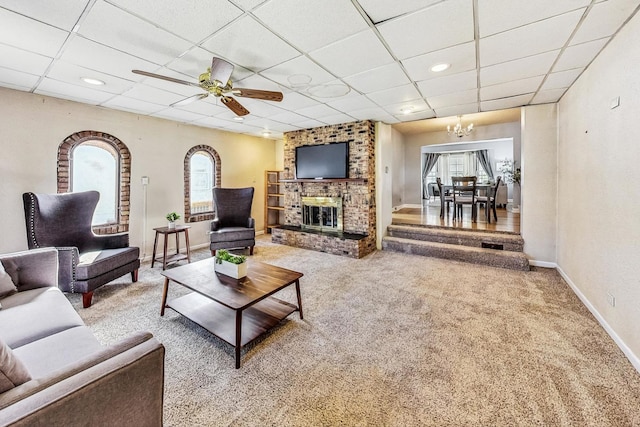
86	261
233	226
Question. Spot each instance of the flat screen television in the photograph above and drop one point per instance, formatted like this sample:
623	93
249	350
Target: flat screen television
322	161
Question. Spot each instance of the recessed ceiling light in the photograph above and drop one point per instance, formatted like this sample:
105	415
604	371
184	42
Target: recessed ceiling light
92	81
440	67
407	110
266	134
238	119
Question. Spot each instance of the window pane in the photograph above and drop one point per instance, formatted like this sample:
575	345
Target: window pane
201	183
95	168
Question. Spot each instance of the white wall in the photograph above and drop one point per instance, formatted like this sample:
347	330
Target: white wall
384	179
397	170
33	126
598	196
539	183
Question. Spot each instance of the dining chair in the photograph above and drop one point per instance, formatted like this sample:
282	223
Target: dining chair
490	200
444	197
464	193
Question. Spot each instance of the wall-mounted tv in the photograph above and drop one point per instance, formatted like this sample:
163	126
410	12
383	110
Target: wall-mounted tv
322	161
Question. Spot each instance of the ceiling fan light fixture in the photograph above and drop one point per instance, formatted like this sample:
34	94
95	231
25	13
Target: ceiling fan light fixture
92	81
440	67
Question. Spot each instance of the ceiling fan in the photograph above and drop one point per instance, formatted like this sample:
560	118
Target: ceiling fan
216	81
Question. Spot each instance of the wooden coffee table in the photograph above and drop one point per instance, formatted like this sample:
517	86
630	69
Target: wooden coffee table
235	310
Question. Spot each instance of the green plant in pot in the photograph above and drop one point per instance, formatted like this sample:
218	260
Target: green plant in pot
231	265
172	218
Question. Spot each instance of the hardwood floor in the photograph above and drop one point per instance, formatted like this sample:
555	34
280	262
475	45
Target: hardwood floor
429	214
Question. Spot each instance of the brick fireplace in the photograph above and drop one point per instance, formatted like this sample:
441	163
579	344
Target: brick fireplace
356	195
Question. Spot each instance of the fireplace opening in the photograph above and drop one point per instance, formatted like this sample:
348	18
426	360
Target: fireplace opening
322	213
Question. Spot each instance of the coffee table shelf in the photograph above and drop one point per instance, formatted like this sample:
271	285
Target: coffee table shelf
220	320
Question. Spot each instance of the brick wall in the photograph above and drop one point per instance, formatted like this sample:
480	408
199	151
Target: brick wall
359	208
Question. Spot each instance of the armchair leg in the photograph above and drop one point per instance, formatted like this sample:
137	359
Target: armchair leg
86	299
213	252
250	250
134	275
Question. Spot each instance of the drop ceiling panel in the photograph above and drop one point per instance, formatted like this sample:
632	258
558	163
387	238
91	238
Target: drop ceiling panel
518	69
73	92
504	103
261	108
192	63
512	88
351	103
318	111
211	122
73	74
496	16
309	123
301	68
579	55
548	96
437	27
288	117
22	60
130	34
192	20
311	24
562	79
204	108
353	55
457	111
604	20
178	115
449	84
63	15
169	86
133	105
385	77
17	80
461	58
153	95
24	33
380	11
420	115
248	44
453	99
395	95
528	40
296	101
337	119
248	4
375	113
408	108
97	57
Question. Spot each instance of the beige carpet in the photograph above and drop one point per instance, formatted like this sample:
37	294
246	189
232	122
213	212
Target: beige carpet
389	340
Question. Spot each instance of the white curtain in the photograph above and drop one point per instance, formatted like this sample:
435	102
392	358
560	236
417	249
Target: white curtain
469	163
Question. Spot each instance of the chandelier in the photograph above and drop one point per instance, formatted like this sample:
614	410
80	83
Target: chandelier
458	130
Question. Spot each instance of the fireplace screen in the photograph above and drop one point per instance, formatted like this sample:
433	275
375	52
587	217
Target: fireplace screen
322	213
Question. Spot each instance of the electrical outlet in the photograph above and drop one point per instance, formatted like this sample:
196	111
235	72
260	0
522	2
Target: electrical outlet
611	299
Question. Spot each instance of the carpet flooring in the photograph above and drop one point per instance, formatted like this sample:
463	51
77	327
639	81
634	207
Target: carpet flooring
388	340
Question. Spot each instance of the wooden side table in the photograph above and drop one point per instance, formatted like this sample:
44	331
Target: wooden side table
165	231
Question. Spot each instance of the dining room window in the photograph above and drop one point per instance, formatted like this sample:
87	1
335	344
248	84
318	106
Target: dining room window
456	165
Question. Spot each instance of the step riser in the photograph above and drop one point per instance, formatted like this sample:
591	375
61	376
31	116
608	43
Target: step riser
475	241
500	259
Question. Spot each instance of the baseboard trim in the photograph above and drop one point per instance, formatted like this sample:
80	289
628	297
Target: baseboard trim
635	361
543	264
407	205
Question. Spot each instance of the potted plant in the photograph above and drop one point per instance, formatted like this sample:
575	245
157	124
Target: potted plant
172	217
231	265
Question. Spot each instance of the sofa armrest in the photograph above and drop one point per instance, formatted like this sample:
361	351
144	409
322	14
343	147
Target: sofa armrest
251	223
121	385
68	258
36	268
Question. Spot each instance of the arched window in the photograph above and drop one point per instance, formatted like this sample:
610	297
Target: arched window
92	160
201	174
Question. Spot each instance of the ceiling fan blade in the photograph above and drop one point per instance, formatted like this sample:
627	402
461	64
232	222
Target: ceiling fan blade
221	70
169	79
190	99
267	95
234	106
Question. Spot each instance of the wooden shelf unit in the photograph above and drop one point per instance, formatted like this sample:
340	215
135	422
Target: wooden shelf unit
274	200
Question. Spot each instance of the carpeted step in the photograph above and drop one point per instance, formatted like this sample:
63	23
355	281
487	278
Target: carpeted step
488	257
478	239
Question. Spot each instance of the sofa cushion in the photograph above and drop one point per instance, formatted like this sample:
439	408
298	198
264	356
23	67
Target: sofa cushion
6	284
28	316
12	371
230	234
95	263
56	351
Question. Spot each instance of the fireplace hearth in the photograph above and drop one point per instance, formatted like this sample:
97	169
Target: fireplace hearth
322	213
